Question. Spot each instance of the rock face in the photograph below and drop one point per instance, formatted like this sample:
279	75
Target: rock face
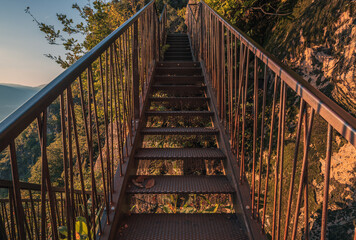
319	43
342	192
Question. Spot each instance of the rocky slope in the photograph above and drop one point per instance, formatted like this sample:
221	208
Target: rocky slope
318	41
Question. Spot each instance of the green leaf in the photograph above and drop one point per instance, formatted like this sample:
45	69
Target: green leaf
81	228
63	232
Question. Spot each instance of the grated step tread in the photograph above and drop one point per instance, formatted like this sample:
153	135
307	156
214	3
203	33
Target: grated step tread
184	184
182	226
179	153
180	131
179	113
175	99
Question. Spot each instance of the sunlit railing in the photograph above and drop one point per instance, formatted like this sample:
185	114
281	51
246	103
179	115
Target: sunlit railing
253	90
92	109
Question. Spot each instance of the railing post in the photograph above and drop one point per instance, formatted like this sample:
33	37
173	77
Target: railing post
158	34
154	35
135	74
201	30
19	212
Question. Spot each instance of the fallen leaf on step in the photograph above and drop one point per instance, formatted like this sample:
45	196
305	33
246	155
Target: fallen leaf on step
137	184
150	183
140	179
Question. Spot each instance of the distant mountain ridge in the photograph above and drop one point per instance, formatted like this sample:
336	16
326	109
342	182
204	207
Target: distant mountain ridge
12	96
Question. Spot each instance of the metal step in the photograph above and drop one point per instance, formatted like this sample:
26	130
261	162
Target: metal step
178	37
178	71
172	46
177	58
184	184
178	87
176	54
175	41
179	113
180	131
178	44
178	50
175	49
210	226
186	80
179	153
177	34
179	99
178	64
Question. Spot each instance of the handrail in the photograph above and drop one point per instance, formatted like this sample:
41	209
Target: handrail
14	124
235	67
103	91
163	12
341	120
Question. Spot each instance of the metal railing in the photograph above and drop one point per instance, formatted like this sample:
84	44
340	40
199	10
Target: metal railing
97	102
247	82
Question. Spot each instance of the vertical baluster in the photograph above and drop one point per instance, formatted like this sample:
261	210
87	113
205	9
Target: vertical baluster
242	165
79	161
117	114
295	159
65	167
255	118
111	138
277	164
136	77
70	163
261	140
307	134
229	72
243	52
91	82
88	134
326	183
46	181
269	149
284	98
223	80
19	212
119	124
108	153
91	150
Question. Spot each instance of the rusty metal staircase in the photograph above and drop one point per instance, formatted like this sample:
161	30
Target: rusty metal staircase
182	85
133	126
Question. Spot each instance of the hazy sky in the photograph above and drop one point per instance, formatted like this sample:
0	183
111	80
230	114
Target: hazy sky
22	44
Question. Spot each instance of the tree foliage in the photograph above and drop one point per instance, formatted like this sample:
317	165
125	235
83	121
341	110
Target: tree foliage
99	19
254	17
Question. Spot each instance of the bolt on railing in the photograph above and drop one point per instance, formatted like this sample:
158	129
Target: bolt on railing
253	90
95	103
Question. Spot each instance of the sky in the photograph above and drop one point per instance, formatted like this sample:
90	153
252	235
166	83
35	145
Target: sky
22	44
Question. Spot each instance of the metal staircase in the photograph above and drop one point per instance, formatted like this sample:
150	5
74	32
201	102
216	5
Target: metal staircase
176	77
216	104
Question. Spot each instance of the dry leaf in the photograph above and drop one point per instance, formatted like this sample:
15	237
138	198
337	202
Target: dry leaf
140	179
150	183
137	184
